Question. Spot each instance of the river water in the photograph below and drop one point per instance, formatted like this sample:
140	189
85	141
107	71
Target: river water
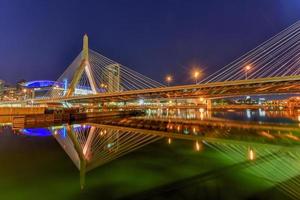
199	159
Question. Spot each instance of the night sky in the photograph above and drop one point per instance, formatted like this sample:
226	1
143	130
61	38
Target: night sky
39	39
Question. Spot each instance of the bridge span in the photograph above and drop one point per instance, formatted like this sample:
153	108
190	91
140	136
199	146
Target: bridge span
260	86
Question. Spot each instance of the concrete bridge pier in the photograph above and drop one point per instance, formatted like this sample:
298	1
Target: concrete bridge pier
208	104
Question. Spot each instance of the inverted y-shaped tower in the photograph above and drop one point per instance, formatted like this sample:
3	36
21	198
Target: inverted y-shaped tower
84	67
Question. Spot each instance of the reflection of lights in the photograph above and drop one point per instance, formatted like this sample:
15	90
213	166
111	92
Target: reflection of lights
178	128
141	101
169	140
64	133
248	113
201	116
261	112
110	145
197	146
186	131
291	136
251	154
194	130
201	110
299	118
39	132
266	134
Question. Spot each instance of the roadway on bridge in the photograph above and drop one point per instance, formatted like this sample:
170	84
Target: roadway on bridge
261	86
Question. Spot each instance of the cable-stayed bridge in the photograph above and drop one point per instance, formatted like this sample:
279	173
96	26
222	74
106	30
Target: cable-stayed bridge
271	68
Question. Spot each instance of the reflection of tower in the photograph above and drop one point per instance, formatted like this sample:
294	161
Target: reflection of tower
90	146
112	73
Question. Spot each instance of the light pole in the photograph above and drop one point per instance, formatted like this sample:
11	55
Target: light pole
169	79
25	93
196	75
247	68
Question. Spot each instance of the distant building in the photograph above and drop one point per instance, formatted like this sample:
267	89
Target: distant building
41	88
9	93
1	87
26	90
112	77
20	85
293	103
247	100
261	101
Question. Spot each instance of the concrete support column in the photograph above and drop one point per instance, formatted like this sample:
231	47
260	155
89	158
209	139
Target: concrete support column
208	104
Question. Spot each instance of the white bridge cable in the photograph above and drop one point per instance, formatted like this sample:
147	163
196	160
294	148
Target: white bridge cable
266	52
106	74
267	66
128	73
128	80
278	56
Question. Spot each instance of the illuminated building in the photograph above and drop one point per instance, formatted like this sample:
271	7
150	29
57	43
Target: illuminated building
112	77
1	87
41	88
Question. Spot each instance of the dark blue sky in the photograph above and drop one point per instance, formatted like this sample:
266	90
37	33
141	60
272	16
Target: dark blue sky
39	39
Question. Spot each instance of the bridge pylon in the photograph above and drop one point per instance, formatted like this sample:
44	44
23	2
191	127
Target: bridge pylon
83	67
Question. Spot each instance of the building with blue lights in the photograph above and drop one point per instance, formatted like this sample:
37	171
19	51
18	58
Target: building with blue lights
41	88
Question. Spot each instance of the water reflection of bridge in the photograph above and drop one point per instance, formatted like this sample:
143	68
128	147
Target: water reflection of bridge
272	155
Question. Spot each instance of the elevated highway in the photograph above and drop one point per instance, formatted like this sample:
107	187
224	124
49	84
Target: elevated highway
260	86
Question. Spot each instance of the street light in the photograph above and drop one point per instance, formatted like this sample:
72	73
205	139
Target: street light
169	79
247	68
25	93
196	74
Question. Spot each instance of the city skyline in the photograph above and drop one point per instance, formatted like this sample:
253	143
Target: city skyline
170	40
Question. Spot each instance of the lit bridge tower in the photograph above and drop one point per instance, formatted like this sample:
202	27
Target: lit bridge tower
83	67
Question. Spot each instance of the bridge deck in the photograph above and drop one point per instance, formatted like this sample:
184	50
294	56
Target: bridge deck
274	85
